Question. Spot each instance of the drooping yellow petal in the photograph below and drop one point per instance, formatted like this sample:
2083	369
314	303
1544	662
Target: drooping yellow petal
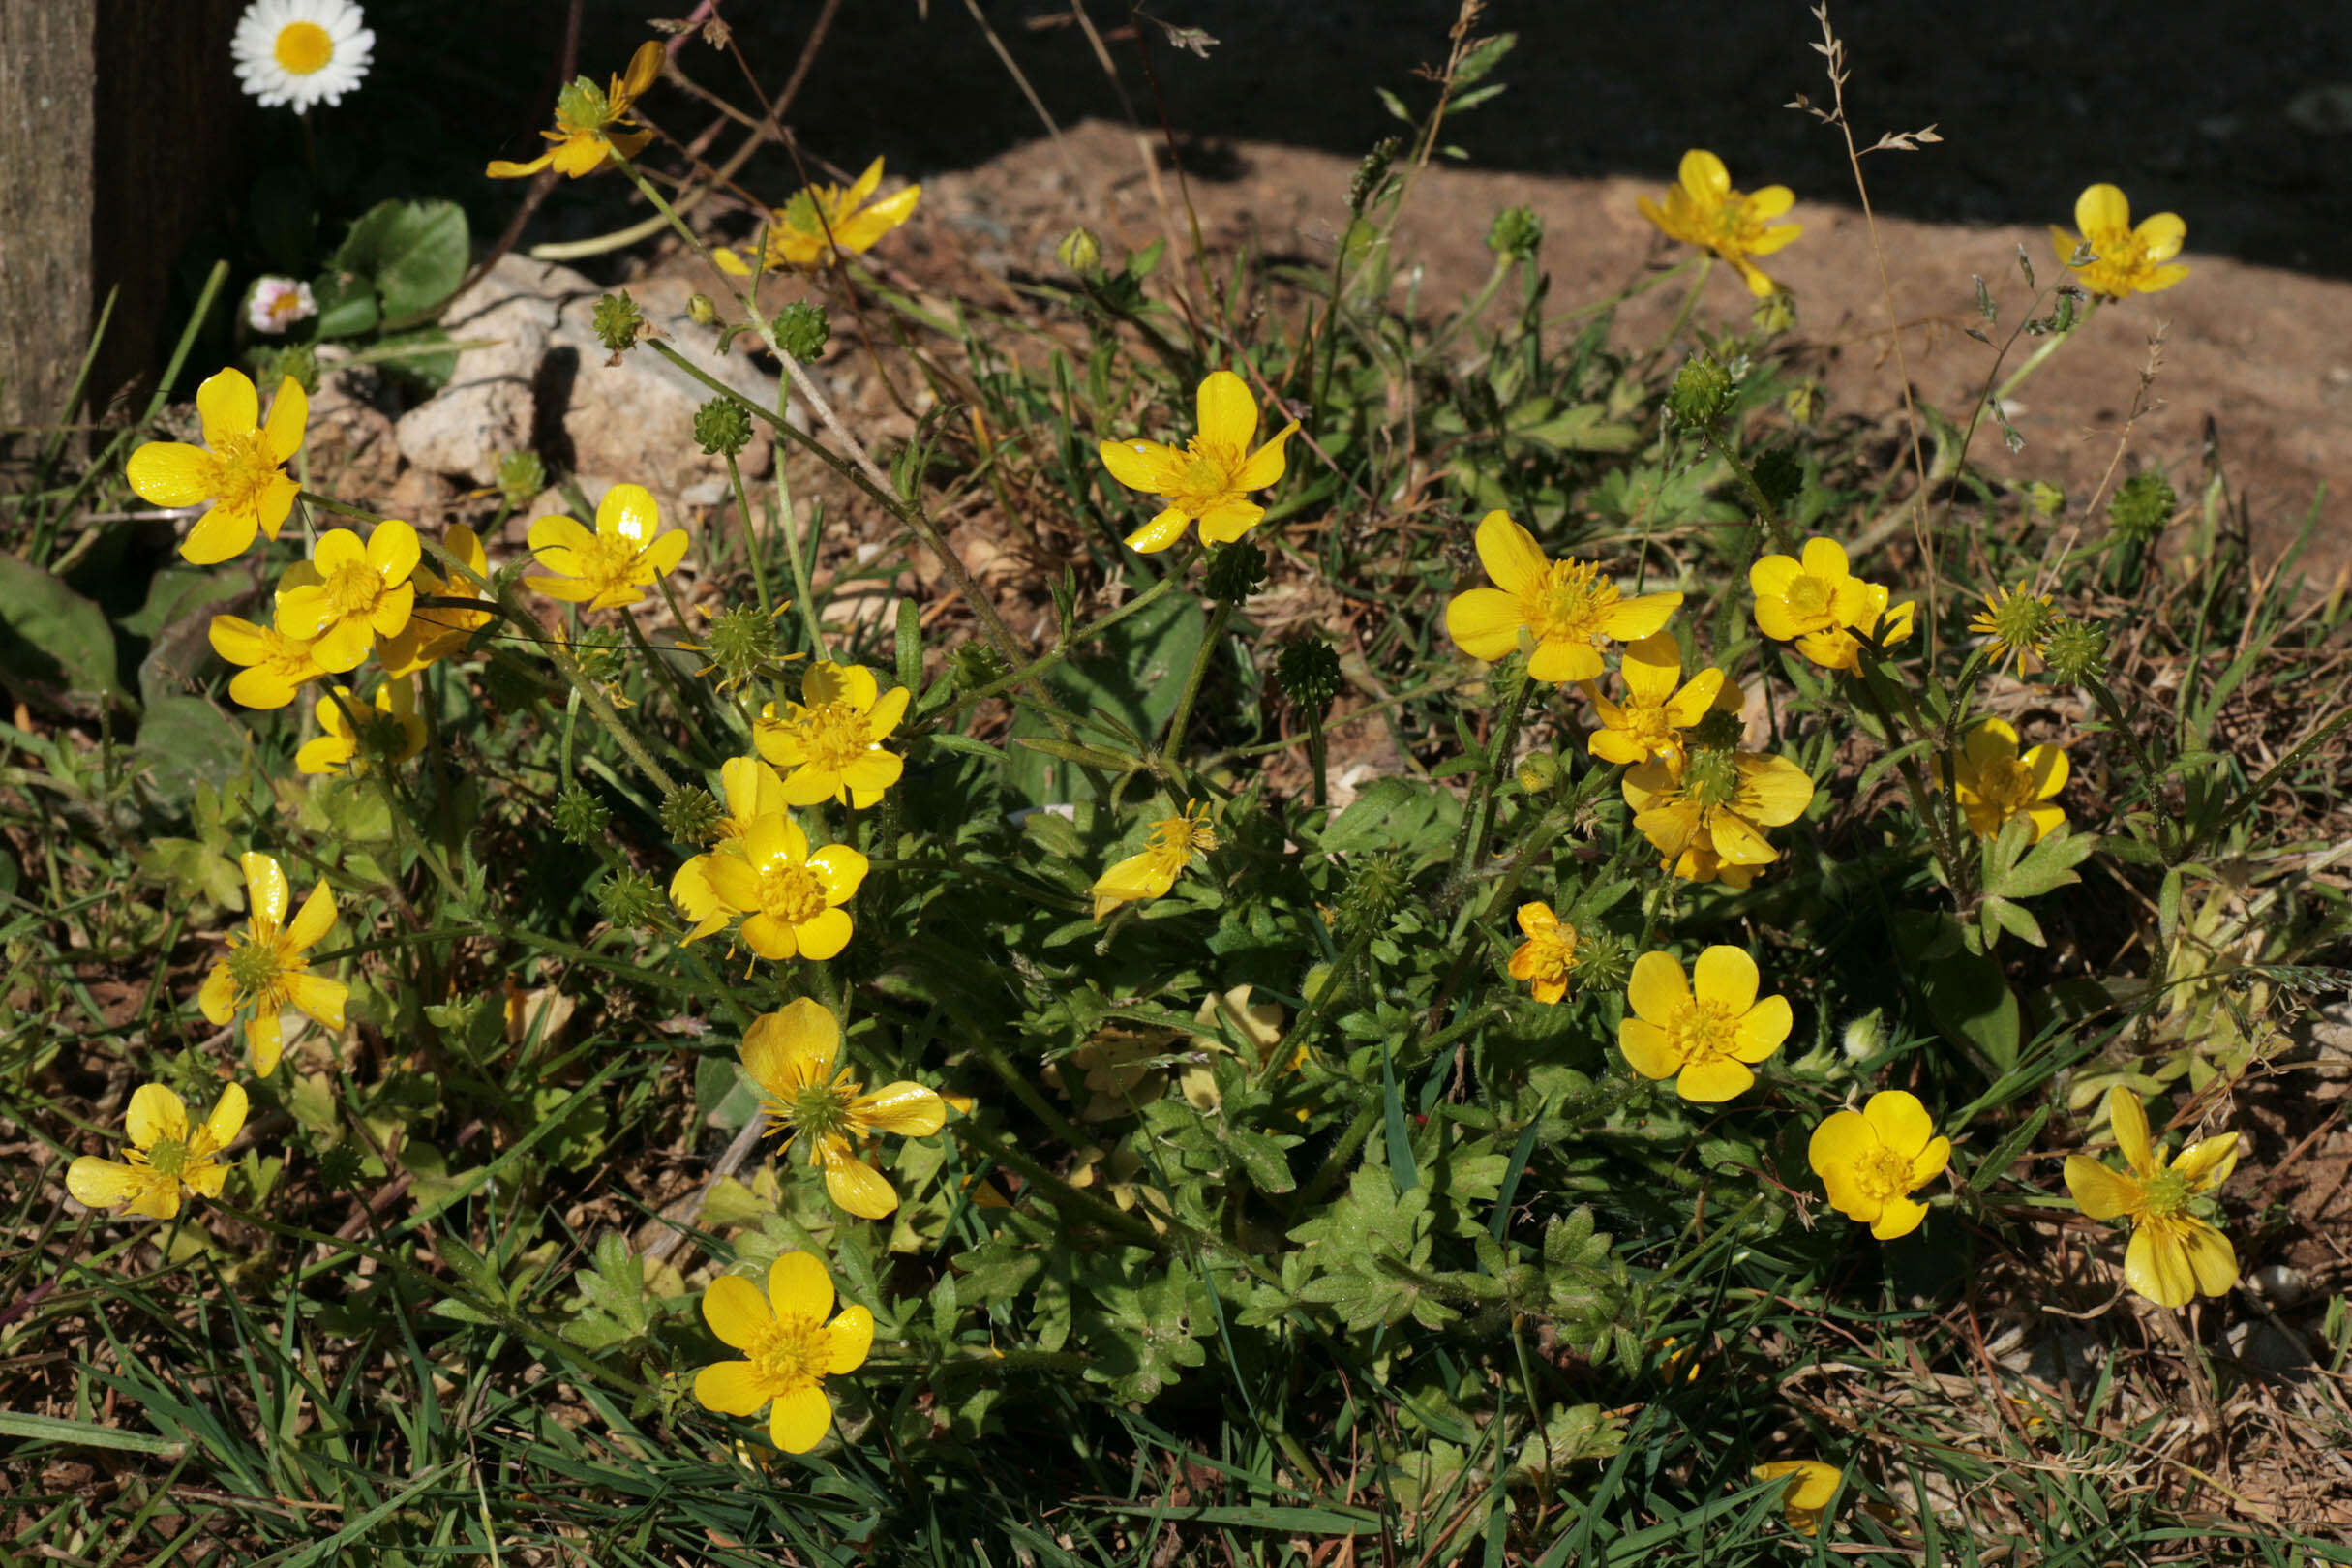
906	1108
856	1186
2100	1191
2127	1119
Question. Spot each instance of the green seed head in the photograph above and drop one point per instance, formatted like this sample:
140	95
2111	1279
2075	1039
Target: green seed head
1234	572
1702	390
1515	233
2077	651
630	899
722	427
2167	1192
252	967
1308	670
521	476
1717	730
801	329
691	815
2142	507
168	1156
580	817
618	321
582	105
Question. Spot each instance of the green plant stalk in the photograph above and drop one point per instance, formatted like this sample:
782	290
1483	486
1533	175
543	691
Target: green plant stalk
1061	648
1781	540
1479	820
751	535
1947	856
1171	754
802	592
1690	303
2032	363
1100	1211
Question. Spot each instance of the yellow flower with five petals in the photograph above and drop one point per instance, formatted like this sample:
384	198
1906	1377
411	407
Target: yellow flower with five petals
610	568
789	898
1994	784
752	790
1872	1159
2125	259
1703	209
1565	608
1659	704
2174	1255
1547	959
588	122
1707	815
1704	1031
789	1056
830	740
361	593
240	468
167	1157
789	1349
267	970
1208	480
823	223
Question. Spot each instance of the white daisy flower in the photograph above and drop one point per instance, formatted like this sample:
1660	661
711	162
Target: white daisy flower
278	303
300	52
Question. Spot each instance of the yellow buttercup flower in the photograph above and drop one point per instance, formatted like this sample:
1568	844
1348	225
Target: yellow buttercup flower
1565	608
435	631
2017	622
1809	1497
266	970
2174	1255
1814	600
2123	260
789	899
1210	479
1547	959
167	1158
611	568
1707	815
240	468
588	122
275	666
388	733
1870	1161
832	740
361	593
790	1057
1149	875
1659	704
1706	1037
823	223
789	1349
752	790
1995	784
1703	209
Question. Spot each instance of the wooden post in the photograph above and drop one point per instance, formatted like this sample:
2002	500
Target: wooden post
118	138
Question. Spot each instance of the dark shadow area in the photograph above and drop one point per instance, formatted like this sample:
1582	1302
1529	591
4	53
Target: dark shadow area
2221	113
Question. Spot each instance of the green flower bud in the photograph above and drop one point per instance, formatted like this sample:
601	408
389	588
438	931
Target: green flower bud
1234	572
521	476
1702	391
2076	652
1308	672
692	815
580	817
701	311
722	427
1775	313
2142	507
1377	888
1516	233
618	322
801	329
1079	251
629	899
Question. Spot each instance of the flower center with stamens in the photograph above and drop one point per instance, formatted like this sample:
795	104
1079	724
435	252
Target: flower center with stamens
2166	1193
791	893
1810	599
1883	1173
244	469
2006	784
822	1110
791	1353
168	1156
354	590
833	735
1711	779
253	968
1552	956
1705	1032
606	562
1209	468
304	47
1571	604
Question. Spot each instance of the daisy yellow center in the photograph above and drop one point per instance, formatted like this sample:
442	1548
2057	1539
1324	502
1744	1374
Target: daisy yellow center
1571	604
1882	1173
791	1353
833	735
1705	1032
354	590
1209	467
792	893
2006	784
243	470
2166	1193
304	47
1810	598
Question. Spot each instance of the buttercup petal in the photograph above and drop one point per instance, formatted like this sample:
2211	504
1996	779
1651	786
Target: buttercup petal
847	1339
1727	977
1898	1217
266	892
172	473
1161	531
2207	1162
229	406
1657	989
1558	662
1712	1082
227	1117
1931	1161
1267	463
1228	521
1649	1050
2127	1119
2100	1191
856	1186
907	1109
1701	173
319	998
1145	465
1900	1121
2102	207
1484	622
1227	414
1514	562
1631	618
264	1043
798	1287
791	1049
290	413
2210	1258
100	1183
217	997
801	1419
737	1313
1651	667
156	1115
822	937
316	918
2161	236
732	1388
1762	1029
2156	1265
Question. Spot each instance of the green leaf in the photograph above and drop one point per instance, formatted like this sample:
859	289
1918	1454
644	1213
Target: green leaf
348	305
184	741
56	650
1483	57
1584	428
1395	104
1261	1157
2050	864
412	253
1968	998
2009	1150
